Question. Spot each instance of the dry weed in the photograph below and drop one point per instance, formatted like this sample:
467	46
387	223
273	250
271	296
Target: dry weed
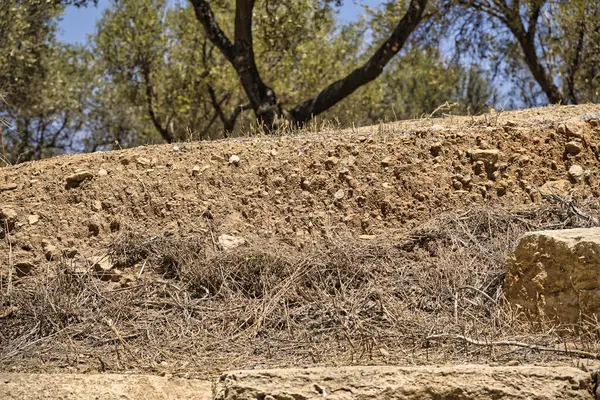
342	301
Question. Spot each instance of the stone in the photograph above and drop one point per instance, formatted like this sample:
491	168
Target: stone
331	162
101	263
8	216
574	128
96	206
80	386
573	147
102	172
560	187
488	157
50	251
556	274
234	160
408	383
75	179
576	172
195	170
8	186
33	219
143	161
104	269
228	242
386	162
339	195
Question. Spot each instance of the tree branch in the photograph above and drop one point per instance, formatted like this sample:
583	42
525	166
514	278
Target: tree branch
164	132
574	65
580	353
205	15
367	72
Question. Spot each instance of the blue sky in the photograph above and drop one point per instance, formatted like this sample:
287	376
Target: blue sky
80	22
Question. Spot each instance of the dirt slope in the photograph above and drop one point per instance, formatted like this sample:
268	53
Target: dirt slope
380	182
353	247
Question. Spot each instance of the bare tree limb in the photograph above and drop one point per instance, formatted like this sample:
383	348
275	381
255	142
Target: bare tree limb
575	352
164	132
205	15
367	72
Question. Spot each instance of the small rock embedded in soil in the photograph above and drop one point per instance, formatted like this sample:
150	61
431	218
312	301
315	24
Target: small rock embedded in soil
96	206
102	172
386	162
143	161
8	186
8	215
50	251
488	157
228	242
331	162
234	160
573	147
33	219
576	172
77	178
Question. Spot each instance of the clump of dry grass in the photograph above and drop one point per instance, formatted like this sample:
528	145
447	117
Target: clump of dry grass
341	301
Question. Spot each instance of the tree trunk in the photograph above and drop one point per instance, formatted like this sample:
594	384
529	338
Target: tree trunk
263	99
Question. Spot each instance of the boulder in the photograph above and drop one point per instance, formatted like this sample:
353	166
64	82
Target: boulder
422	382
556	275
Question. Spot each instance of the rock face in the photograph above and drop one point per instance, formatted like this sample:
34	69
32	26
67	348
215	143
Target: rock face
556	274
100	386
426	382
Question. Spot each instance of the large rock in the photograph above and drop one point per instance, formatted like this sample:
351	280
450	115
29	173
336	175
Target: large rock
556	274
100	386
425	382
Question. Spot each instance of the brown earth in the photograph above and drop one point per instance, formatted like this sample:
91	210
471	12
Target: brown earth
347	247
381	182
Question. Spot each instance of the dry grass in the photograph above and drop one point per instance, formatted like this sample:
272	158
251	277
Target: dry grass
198	308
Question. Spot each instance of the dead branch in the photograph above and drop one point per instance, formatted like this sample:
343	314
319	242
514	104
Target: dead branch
574	352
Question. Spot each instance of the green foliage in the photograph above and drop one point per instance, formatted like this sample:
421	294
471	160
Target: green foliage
42	82
150	73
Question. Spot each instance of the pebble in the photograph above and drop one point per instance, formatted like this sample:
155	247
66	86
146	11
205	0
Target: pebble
8	186
78	177
576	172
9	215
96	205
102	172
143	161
573	147
386	162
33	219
331	162
234	159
